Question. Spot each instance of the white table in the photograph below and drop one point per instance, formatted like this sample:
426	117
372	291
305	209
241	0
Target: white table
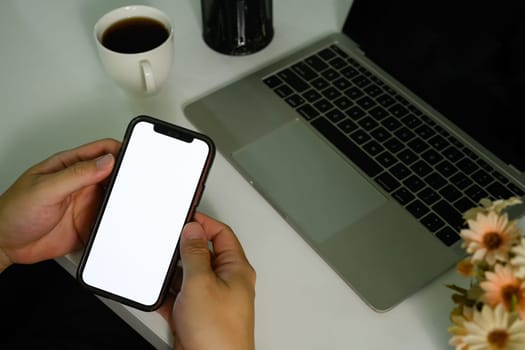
54	95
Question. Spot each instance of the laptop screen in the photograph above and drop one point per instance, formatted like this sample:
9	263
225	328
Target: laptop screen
464	58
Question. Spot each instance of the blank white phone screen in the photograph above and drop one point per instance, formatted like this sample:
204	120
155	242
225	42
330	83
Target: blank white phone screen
145	214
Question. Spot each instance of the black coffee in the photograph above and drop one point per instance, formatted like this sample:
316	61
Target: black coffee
134	35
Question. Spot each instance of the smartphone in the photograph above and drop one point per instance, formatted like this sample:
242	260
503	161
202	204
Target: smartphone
153	191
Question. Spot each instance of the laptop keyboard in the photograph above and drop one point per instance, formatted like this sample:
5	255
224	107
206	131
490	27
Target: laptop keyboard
420	164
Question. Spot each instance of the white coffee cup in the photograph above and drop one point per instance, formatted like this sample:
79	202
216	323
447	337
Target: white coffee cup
140	71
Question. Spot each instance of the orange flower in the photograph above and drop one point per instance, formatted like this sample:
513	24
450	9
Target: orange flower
490	237
503	287
465	267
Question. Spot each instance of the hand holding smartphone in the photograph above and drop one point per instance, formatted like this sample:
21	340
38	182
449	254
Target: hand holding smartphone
153	192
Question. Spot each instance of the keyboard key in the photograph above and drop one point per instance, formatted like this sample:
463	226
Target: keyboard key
424	132
432	157
407	156
428	196
367	123
361	81
320	83
331	93
448	236
327	54
518	191
338	51
292	79
283	91
461	181
414	183
380	134
347	125
387	181
391	123
476	193
400	171
432	222
294	100
308	112
417	145
446	168
386	159
448	213
355	113
500	177
335	115
272	81
498	191
337	63
311	95
343	102
360	136
398	110
403	196
323	105
347	147
482	177
316	63
463	204
342	83
404	134
421	168
350	72
354	93
417	208
385	100
450	193
378	112
411	121
373	90
467	165
453	154
366	102
435	181
304	71
415	110
394	145
373	148
330	74
438	142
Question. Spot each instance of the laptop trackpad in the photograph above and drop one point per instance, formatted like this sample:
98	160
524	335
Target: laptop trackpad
307	182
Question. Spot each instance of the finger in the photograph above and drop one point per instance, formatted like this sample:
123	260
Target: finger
73	178
67	158
220	234
194	251
229	257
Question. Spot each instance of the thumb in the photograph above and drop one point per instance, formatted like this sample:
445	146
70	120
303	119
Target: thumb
78	176
194	251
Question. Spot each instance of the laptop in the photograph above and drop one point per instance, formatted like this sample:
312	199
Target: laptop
372	142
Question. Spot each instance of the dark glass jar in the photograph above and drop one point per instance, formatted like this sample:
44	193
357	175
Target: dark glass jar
237	27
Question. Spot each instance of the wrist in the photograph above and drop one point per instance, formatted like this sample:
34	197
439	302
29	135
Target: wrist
5	261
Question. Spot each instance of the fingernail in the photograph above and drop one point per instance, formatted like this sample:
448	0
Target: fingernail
193	230
104	161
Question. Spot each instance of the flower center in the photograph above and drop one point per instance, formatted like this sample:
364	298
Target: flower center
508	292
492	240
498	338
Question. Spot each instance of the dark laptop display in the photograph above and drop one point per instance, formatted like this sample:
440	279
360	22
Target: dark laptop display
466	59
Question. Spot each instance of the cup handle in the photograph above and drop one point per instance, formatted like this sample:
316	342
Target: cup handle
147	73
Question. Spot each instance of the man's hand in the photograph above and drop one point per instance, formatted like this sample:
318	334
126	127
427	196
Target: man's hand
49	210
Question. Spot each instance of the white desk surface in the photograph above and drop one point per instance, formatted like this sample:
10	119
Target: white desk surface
54	95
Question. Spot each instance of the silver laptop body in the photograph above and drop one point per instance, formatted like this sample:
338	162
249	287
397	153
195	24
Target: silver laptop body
374	244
